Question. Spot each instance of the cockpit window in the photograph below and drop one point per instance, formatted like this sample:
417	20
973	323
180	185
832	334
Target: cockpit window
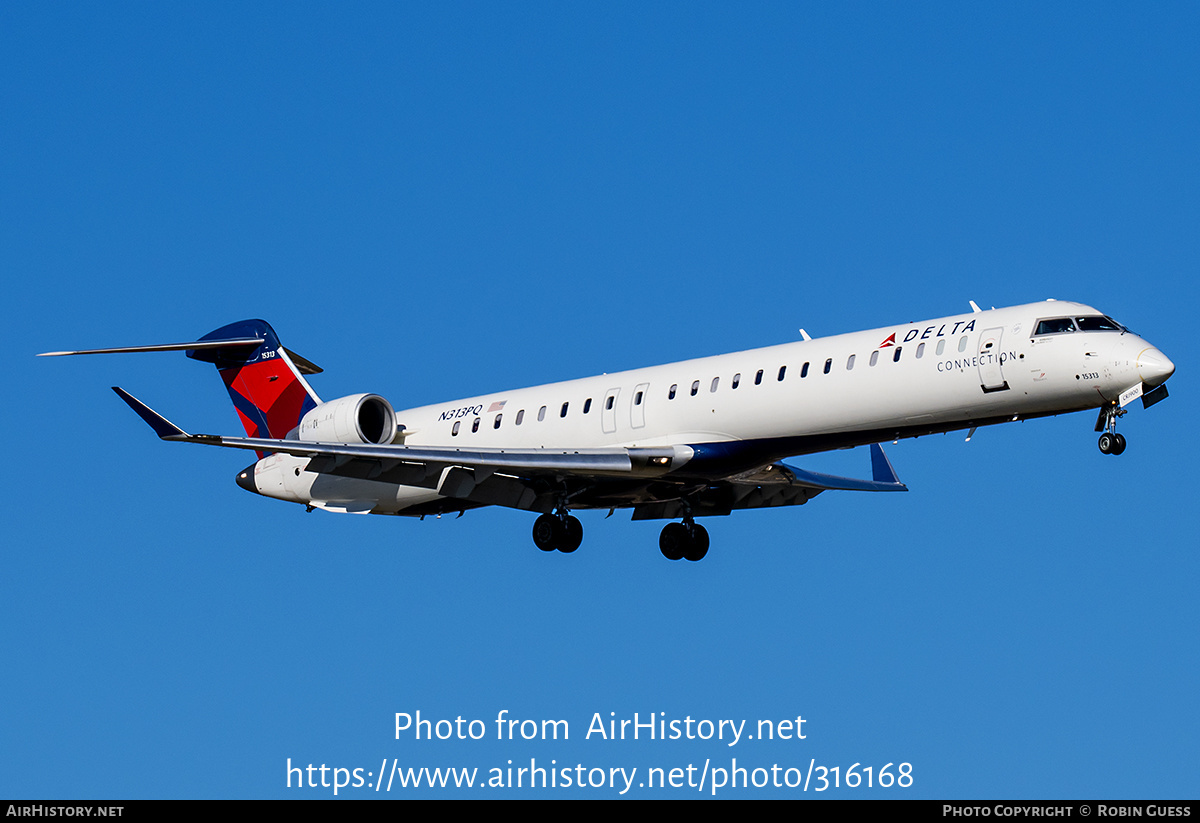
1098	323
1056	325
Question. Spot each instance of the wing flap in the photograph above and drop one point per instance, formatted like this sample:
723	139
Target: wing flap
462	483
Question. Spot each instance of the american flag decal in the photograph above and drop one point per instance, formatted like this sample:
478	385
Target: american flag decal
497	406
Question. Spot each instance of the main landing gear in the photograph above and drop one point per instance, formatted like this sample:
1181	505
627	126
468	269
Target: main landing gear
560	531
1110	442
683	540
677	541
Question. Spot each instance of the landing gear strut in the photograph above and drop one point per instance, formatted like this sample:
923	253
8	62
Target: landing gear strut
683	540
1110	442
560	531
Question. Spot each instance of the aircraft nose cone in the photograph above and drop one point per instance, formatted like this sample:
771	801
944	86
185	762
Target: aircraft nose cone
245	478
1154	367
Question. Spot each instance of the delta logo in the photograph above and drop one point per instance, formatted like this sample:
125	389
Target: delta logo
960	327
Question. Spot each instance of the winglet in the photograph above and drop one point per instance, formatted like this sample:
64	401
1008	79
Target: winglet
881	467
883	477
163	427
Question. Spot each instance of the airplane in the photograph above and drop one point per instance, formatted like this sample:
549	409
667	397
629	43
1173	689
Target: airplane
692	439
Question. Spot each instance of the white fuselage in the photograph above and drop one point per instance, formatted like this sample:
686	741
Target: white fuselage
803	397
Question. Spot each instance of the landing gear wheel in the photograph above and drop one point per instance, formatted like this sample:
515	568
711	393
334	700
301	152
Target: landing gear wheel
572	534
546	531
697	547
673	541
1110	442
553	531
680	540
1107	443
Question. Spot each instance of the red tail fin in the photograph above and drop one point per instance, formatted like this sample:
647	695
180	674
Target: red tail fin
265	382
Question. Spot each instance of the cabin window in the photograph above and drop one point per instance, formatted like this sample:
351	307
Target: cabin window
637	399
804	371
941	347
920	350
874	357
608	404
541	414
828	365
587	405
563	413
849	362
713	387
695	387
737	378
782	372
496	425
454	430
758	377
896	356
520	416
475	426
962	343
671	393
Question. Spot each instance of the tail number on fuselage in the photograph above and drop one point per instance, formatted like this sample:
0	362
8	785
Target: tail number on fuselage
465	411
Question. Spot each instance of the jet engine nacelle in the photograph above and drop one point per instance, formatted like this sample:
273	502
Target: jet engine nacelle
358	418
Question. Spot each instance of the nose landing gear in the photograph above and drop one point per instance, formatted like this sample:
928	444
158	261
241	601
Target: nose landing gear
1110	442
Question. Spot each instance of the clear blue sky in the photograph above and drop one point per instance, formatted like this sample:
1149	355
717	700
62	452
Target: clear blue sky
434	201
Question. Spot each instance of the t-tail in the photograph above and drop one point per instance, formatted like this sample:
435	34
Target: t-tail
265	380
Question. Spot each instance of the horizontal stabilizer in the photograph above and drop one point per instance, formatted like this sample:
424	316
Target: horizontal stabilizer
247	344
235	342
884	477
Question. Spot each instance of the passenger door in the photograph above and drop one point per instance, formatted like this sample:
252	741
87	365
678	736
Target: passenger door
991	373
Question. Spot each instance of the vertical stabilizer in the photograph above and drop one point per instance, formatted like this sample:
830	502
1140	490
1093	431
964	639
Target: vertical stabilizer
266	386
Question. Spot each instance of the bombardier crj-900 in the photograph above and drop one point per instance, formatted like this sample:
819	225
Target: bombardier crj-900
686	440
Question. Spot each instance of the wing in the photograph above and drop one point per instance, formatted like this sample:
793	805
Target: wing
651	480
776	484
